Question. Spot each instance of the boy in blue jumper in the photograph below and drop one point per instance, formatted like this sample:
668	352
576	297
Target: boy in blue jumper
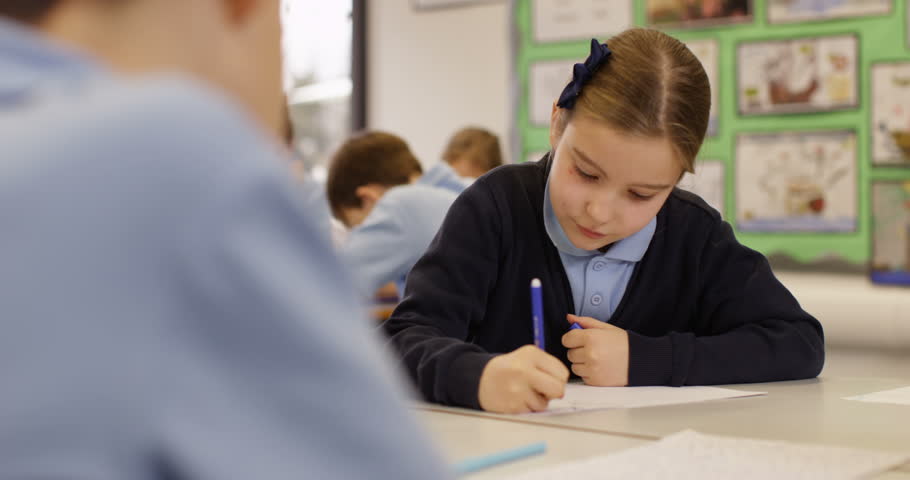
168	310
377	188
664	292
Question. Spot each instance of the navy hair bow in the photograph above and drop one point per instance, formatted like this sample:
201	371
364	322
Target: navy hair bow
582	73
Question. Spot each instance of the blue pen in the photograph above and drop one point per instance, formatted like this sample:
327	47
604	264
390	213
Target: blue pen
537	313
474	464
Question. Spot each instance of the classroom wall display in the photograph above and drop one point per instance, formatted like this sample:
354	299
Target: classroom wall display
706	50
792	11
838	45
797	75
796	182
546	83
891	232
561	20
707	182
438	4
891	113
697	13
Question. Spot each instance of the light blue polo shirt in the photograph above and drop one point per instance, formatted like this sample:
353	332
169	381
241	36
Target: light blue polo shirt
443	176
400	228
598	279
394	235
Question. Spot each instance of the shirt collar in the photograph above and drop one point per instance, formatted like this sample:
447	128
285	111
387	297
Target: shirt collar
629	249
31	62
443	176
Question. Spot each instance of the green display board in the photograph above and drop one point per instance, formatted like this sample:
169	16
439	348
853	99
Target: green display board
878	38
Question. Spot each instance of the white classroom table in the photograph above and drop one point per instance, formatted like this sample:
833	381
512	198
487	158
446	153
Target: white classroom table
806	411
462	436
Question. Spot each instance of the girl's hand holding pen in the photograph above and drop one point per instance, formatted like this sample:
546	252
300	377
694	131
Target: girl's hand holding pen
599	352
521	381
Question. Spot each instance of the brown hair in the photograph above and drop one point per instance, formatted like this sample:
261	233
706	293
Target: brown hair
478	145
368	158
651	86
27	11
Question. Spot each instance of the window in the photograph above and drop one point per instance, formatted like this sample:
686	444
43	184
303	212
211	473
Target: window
323	55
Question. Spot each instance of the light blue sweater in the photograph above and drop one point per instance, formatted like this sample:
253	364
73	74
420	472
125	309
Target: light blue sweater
168	310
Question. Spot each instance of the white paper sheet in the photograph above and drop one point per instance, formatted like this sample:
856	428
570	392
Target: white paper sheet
898	396
564	20
547	79
692	455
708	182
581	397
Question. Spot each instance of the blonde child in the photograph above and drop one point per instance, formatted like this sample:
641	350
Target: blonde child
664	292
472	152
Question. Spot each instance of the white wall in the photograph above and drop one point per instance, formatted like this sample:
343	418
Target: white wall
432	72
854	312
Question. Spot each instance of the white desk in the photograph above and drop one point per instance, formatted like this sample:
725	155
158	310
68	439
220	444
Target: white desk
807	411
462	436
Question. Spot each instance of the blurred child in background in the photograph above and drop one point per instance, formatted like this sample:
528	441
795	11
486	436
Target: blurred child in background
473	151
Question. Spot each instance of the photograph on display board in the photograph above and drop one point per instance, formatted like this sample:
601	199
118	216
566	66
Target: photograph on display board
891	232
707	182
546	82
796	182
792	11
810	74
439	4
697	13
891	114
569	20
706	51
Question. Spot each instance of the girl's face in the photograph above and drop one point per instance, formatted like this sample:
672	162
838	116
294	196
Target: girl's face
606	185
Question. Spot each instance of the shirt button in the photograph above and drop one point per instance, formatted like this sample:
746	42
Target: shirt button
598	266
596	299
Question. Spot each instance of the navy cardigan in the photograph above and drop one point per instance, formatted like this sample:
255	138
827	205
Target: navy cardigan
700	308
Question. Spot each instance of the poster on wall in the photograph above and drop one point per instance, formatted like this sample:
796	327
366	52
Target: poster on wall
568	20
706	51
546	82
810	74
697	13
891	232
792	11
891	114
796	182
707	183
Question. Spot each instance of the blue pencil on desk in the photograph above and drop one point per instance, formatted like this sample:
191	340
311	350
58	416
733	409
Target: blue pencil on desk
474	464
537	313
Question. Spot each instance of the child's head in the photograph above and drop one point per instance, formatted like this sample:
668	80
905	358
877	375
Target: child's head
363	169
27	11
473	151
234	45
623	133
